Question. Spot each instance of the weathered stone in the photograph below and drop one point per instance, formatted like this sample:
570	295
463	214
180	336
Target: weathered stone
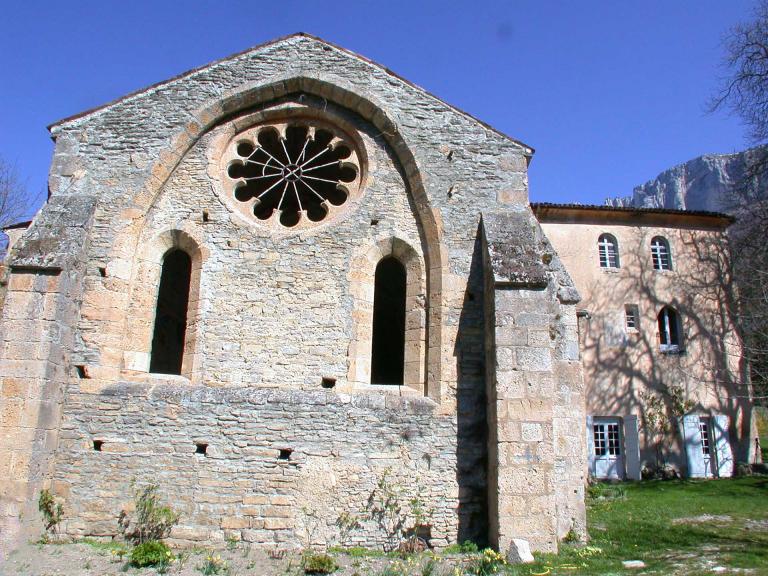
519	552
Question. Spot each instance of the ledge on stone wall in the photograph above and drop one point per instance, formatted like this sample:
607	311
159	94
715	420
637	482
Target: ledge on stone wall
514	260
162	388
57	236
520	256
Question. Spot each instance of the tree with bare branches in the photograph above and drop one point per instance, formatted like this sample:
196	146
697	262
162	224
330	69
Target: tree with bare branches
744	93
13	196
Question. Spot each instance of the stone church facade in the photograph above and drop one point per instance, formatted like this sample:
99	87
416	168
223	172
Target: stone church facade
279	287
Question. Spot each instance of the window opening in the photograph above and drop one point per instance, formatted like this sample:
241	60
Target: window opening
171	314
607	439
608	249
285	454
600	445
704	431
293	171
669	330
388	343
97	444
632	317
661	254
201	448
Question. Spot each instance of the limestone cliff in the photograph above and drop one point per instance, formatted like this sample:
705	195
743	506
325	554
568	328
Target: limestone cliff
704	183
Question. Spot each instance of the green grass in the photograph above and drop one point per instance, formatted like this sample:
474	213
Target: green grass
104	545
639	525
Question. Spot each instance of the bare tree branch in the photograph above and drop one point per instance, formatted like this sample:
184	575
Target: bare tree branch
744	93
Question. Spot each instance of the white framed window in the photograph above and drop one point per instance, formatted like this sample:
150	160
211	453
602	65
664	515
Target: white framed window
631	317
608	250
661	254
669	330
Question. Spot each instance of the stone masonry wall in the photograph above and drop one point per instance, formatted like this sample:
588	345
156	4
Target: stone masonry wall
537	452
271	314
341	446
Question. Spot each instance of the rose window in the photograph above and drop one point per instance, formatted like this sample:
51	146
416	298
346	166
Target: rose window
292	174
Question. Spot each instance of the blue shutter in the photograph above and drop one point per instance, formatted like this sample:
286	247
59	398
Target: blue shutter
631	447
692	441
722	446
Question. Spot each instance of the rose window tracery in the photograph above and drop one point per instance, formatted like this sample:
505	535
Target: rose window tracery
293	174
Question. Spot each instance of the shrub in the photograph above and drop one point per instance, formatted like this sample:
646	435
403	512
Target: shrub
51	510
153	521
659	472
151	553
318	564
606	491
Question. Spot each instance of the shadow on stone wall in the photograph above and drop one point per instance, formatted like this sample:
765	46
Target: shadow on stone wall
472	441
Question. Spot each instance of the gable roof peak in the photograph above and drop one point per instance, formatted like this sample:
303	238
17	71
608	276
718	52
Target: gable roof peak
300	36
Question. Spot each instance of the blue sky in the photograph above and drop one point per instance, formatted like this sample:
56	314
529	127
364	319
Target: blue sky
608	93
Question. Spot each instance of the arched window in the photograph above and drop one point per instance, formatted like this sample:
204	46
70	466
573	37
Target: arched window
608	249
662	259
388	343
669	330
171	313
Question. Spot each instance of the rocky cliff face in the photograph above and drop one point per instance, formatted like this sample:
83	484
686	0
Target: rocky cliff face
704	183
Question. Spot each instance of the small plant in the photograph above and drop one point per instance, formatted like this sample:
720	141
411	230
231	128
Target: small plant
572	537
429	567
119	553
151	553
213	564
232	542
489	562
153	521
346	523
318	564
51	510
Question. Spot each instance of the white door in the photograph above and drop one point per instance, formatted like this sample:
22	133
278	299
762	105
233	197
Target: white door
697	431
608	454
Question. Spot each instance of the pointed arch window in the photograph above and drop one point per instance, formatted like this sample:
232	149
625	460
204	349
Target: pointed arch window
662	257
169	334
608	249
669	330
388	342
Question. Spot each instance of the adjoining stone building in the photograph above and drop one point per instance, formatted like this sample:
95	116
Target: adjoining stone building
657	315
276	286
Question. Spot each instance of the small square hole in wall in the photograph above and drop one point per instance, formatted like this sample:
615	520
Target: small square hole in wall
374	221
82	371
97	444
103	271
328	382
206	216
201	448
285	454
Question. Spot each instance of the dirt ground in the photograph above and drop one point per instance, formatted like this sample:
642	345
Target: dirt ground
87	560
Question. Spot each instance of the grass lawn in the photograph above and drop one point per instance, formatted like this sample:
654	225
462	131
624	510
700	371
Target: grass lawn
678	527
